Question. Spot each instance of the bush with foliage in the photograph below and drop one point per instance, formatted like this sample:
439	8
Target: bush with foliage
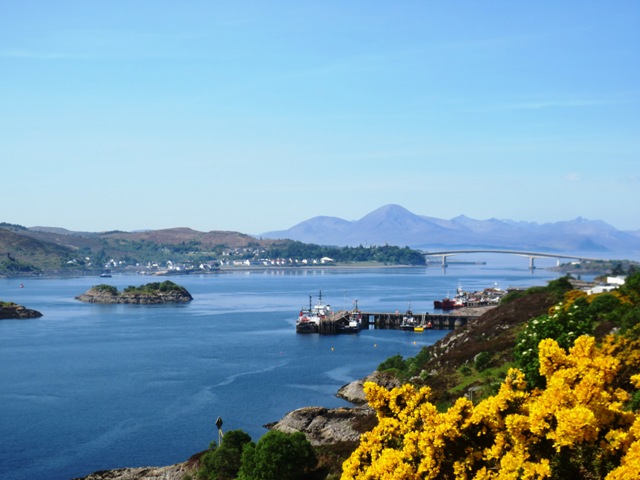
562	325
577	427
405	369
577	314
223	462
154	287
556	288
569	411
104	288
278	456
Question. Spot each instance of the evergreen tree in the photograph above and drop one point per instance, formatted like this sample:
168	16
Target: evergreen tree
278	456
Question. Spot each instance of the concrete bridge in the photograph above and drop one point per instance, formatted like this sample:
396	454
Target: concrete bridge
532	255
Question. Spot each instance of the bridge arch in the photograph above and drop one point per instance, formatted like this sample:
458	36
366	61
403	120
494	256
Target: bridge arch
531	255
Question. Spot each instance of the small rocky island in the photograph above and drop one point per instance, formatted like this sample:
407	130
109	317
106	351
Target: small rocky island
10	310
150	294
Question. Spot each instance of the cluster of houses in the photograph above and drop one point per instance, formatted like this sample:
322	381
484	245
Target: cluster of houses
281	262
611	283
170	267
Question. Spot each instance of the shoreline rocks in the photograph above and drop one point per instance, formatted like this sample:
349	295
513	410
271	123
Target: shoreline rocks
354	392
150	294
17	312
178	471
91	296
326	426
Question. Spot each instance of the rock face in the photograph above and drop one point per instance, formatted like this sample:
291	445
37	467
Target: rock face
17	312
97	296
354	392
323	426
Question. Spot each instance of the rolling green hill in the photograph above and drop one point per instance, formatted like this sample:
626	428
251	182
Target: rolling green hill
47	250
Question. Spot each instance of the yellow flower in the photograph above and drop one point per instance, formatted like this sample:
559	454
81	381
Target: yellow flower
506	436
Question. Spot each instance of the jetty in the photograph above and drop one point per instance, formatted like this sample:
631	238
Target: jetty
336	321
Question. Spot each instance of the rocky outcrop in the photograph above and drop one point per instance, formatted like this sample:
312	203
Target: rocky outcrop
354	392
323	426
17	312
173	472
99	296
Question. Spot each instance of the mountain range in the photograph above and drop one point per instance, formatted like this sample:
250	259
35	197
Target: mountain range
395	225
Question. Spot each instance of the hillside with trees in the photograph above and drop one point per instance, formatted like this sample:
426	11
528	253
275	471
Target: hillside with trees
26	251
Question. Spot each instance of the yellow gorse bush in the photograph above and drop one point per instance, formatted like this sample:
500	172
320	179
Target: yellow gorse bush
579	418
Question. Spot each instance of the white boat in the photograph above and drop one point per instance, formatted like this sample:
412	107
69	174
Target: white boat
309	318
408	321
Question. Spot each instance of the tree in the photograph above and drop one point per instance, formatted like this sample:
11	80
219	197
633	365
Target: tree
223	463
278	456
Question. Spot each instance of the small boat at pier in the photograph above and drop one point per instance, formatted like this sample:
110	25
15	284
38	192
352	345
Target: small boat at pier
408	321
309	318
353	321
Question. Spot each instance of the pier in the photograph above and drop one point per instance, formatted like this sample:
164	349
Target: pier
446	321
337	322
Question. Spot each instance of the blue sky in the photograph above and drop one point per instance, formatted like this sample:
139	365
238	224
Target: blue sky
253	116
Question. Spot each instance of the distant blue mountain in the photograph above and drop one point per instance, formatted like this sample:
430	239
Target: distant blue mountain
395	225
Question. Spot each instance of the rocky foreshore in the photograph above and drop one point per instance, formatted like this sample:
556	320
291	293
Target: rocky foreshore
354	392
17	312
326	426
177	471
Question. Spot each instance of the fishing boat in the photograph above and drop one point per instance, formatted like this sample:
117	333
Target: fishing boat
444	304
353	321
408	321
309	318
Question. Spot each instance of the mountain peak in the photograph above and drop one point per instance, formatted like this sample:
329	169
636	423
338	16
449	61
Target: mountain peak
390	209
395	225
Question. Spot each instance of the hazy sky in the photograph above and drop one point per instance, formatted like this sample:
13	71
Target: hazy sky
255	115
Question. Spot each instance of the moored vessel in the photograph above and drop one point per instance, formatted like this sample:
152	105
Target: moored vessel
309	318
488	296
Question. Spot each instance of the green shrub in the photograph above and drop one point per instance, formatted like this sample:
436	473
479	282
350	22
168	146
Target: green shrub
278	456
393	363
223	463
104	288
482	361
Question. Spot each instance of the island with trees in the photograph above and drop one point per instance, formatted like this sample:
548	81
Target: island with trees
149	294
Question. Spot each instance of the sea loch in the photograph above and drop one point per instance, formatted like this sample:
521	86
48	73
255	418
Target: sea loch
90	387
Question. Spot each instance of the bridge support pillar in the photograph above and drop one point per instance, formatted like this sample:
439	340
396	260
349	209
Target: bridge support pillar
532	264
444	261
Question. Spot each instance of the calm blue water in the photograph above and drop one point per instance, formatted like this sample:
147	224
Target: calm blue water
91	387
